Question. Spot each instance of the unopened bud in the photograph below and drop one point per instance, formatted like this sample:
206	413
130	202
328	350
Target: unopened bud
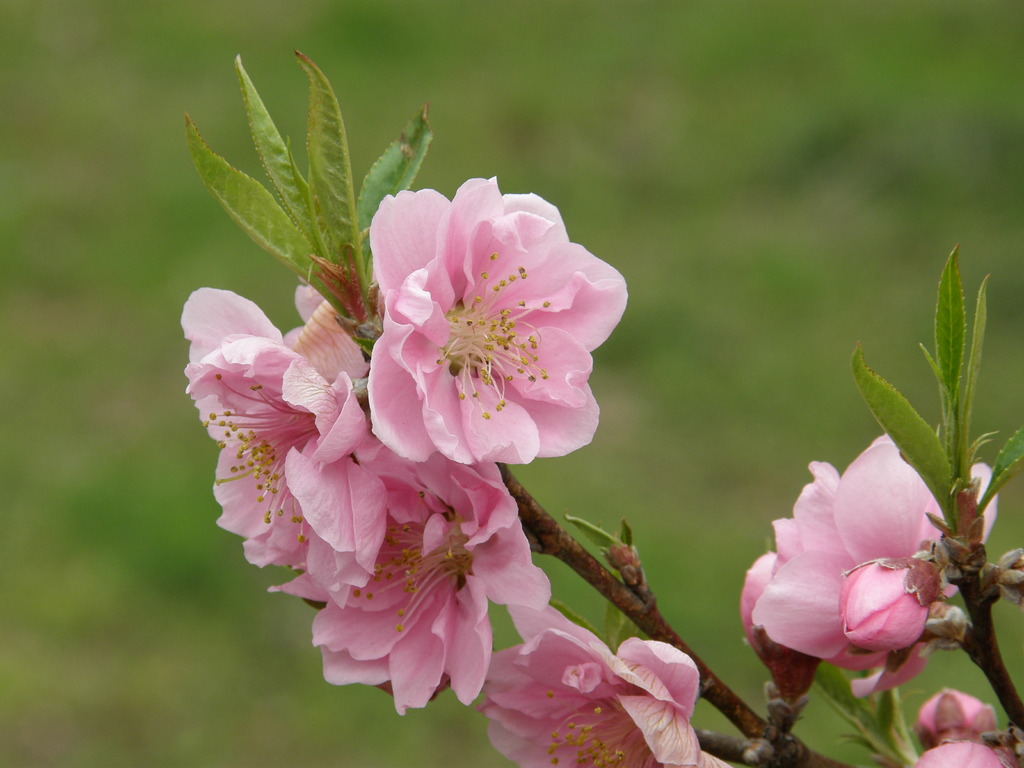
884	603
1014	559
951	715
1009	576
946	626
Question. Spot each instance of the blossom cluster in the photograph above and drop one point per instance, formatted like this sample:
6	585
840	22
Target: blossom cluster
373	476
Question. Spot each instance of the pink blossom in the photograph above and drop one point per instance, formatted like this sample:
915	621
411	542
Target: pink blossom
953	715
453	542
962	754
490	316
277	419
562	697
878	509
884	603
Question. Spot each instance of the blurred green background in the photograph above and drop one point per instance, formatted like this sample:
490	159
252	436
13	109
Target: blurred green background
776	181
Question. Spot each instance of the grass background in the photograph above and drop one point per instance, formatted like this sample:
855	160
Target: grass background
776	181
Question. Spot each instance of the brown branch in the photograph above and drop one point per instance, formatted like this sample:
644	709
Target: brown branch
549	538
981	644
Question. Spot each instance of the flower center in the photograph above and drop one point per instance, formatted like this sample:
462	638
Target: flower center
261	434
490	343
405	576
603	736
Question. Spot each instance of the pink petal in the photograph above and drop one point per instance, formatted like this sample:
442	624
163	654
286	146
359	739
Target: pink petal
469	645
537	206
343	502
504	566
677	677
211	314
880	505
666	730
396	420
416	665
814	511
397	234
800	606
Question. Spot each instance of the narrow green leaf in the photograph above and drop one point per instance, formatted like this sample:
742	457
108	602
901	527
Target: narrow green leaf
833	684
276	156
396	169
251	205
973	369
595	533
573	616
1009	462
332	196
916	440
885	714
626	533
835	689
950	327
617	627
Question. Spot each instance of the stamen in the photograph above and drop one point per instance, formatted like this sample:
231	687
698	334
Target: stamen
485	349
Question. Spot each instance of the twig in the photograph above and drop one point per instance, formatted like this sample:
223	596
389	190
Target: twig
550	538
982	646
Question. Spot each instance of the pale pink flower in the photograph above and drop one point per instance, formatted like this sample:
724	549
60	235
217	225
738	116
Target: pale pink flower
953	715
453	542
563	698
964	754
878	509
275	416
490	316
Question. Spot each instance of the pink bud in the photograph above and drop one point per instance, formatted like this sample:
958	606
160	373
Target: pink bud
952	715
884	603
960	754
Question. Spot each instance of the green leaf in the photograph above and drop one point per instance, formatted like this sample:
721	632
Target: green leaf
1009	462
950	327
574	617
332	196
617	627
973	369
916	440
833	684
874	730
396	169
595	533
276	156
626	533
251	205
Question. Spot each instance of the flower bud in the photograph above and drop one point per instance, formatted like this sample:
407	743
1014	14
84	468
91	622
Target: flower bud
952	715
884	603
